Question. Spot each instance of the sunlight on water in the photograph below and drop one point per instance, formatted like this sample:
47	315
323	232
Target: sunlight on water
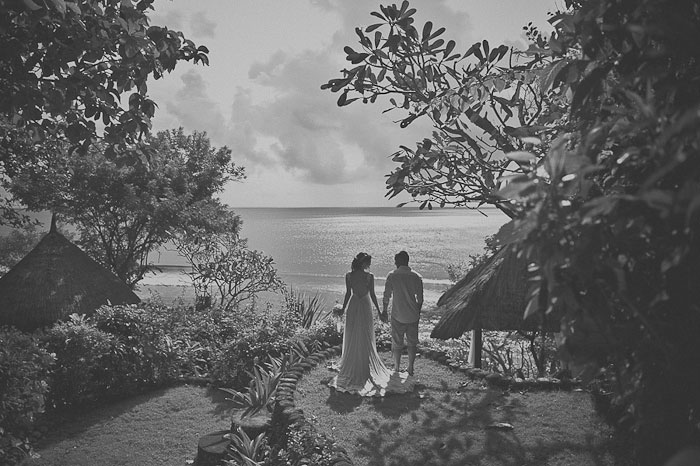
313	247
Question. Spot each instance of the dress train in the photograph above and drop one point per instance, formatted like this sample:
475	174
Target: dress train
360	369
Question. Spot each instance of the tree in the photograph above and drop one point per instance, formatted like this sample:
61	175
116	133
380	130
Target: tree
225	272
124	212
604	195
64	65
480	110
15	245
613	222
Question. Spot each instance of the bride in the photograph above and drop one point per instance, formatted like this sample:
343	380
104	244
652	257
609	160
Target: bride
360	370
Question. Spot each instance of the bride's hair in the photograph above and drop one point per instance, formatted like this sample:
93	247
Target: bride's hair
361	261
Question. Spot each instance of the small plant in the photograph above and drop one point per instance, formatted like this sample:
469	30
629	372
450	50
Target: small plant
308	309
246	451
297	351
304	445
261	390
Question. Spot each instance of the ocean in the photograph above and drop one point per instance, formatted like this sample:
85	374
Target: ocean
313	247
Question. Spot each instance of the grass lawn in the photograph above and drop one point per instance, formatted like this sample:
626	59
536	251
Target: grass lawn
447	420
160	428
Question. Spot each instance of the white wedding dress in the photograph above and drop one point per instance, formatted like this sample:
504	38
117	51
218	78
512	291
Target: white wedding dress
360	370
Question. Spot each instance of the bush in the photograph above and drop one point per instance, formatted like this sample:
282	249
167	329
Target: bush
324	333
81	353
146	351
24	373
258	335
303	445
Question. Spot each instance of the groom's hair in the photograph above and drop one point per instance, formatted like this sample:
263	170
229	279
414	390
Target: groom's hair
401	258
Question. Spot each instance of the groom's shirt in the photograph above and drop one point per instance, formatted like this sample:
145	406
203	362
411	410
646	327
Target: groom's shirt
407	288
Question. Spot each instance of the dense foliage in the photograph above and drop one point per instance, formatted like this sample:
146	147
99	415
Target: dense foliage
24	383
123	350
66	64
589	140
15	245
64	68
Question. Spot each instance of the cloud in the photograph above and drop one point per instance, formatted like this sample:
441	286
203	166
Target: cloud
201	25
297	126
357	14
173	19
280	119
192	107
263	70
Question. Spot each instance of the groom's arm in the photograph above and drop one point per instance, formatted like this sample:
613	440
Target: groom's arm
419	295
388	290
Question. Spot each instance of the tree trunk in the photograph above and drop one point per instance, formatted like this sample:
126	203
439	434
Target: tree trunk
475	348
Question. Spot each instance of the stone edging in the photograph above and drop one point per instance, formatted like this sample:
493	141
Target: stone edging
286	413
499	380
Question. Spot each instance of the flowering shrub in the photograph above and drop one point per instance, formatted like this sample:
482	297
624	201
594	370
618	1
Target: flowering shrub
24	372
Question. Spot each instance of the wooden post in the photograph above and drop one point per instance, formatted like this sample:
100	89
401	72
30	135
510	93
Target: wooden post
475	349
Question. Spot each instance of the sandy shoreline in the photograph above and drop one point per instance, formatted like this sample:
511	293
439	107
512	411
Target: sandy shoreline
184	294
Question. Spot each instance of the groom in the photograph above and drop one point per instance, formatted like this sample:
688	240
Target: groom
406	286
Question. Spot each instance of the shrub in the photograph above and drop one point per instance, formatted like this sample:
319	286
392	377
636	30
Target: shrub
258	336
304	445
24	373
81	351
324	333
145	353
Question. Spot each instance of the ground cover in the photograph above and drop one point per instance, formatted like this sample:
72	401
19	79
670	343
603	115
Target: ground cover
160	428
450	420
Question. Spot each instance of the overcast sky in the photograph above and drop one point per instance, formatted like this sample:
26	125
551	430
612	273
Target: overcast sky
261	95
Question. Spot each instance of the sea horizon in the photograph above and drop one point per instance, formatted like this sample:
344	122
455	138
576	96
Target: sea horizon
312	247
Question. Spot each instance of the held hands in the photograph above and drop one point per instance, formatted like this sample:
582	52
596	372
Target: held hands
383	316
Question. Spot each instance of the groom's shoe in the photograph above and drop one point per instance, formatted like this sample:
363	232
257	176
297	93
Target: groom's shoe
410	372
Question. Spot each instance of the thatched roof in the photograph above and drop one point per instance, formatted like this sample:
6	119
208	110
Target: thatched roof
55	280
492	296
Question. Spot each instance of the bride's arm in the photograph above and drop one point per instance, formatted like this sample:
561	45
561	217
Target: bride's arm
372	294
347	290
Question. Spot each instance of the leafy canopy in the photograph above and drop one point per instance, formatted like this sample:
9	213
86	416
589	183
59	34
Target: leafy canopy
65	65
482	103
589	140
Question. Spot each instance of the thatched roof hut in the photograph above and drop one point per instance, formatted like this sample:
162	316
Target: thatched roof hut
492	296
55	280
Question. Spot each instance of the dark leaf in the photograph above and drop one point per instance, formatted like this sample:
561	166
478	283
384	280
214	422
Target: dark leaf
449	48
437	33
427	28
